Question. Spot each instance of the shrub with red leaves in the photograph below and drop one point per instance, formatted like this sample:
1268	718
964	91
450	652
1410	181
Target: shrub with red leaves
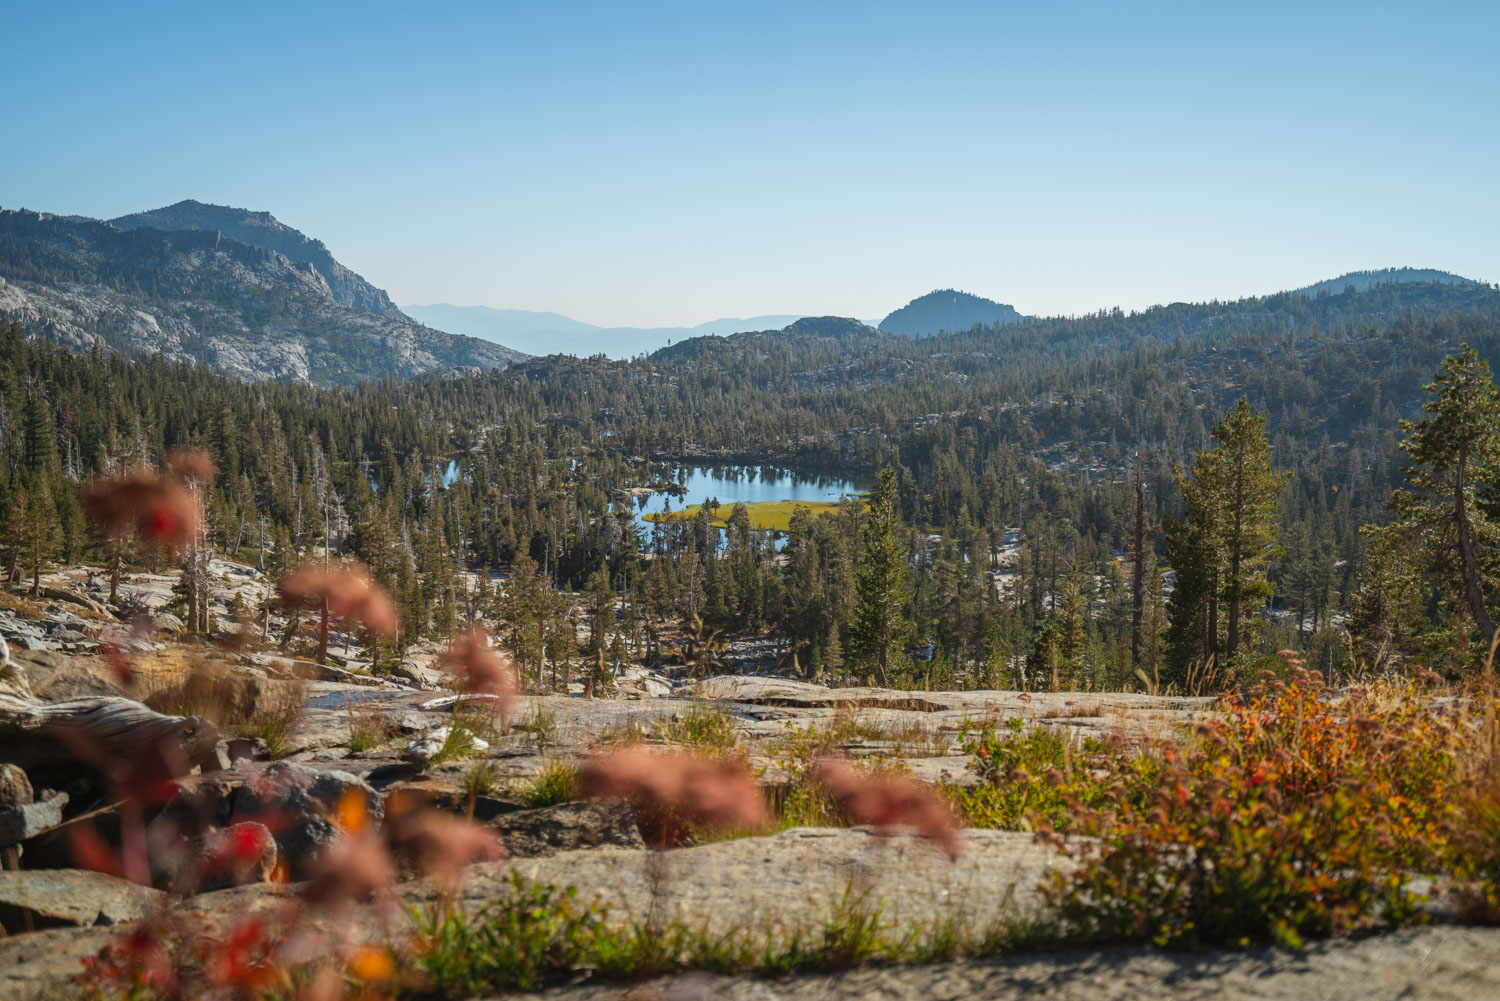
676	794
890	802
349	591
352	869
245	852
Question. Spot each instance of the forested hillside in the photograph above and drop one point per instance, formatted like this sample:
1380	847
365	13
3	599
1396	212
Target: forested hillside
1013	448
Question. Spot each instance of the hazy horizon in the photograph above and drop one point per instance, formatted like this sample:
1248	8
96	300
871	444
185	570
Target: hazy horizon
675	165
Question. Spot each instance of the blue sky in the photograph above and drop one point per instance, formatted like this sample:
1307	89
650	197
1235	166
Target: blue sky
669	164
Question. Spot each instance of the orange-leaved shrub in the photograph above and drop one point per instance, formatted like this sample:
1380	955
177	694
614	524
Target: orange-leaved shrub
1294	814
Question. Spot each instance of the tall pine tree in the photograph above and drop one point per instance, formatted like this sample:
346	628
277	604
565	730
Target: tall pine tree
880	629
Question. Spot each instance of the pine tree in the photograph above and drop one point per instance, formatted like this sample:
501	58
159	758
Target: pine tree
1139	555
1073	617
39	531
1388	611
599	601
880	630
17	517
522	607
1453	454
1222	550
38	437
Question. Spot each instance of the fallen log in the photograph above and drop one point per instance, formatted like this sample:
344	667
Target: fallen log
98	730
109	728
75	598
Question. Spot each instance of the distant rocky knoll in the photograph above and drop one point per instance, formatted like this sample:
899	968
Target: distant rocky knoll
1363	281
950	310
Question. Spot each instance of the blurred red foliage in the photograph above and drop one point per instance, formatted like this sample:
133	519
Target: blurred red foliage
480	668
890	802
678	792
350	592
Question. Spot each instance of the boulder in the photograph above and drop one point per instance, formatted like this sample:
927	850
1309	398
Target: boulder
30	642
568	826
31	819
425	678
15	787
299	803
235	693
51	898
427	746
57	677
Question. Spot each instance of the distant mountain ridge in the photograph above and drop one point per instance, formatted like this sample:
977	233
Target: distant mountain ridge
948	310
541	333
243	308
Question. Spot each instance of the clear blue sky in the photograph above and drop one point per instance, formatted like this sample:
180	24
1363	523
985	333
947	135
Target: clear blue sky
665	164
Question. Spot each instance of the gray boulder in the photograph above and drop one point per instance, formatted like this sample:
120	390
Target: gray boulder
50	898
300	805
568	826
15	787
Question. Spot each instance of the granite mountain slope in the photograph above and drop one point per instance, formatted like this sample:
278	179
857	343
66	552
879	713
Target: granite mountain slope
262	229
244	309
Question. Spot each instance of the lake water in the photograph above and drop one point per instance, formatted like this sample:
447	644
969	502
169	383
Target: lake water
747	484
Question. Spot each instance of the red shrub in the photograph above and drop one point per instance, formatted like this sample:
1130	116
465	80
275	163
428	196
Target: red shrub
440	844
353	869
192	464
162	510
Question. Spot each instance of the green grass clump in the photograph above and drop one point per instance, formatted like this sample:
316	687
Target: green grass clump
557	782
1038	778
457	745
541	934
703	726
472	722
541	723
368	728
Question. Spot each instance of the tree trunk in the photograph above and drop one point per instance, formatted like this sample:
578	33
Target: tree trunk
1211	631
291	630
1472	588
1236	554
323	632
1138	575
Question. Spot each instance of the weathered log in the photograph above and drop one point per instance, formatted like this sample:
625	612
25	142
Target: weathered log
75	598
108	728
112	728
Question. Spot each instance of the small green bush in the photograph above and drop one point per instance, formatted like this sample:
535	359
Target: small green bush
557	782
1038	779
